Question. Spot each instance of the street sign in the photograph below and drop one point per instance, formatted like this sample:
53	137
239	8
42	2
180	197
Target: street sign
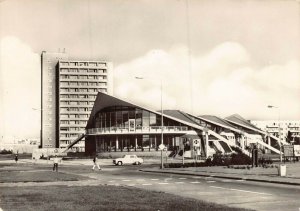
297	150
161	147
196	142
288	150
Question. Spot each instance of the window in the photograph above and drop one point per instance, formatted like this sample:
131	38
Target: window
73	103
152	119
138	117
73	77
83	90
146	118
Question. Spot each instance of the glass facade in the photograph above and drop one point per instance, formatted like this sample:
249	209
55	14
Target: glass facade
132	120
119	116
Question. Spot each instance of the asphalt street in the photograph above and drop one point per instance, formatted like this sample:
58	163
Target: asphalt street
230	192
234	193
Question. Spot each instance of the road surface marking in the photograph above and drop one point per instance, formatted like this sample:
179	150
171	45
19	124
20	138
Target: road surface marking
147	184
163	183
218	187
208	178
226	180
182	178
112	181
179	182
126	180
154	179
210	181
247	191
241	180
131	184
195	182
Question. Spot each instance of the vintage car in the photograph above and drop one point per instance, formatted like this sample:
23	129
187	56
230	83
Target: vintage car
128	159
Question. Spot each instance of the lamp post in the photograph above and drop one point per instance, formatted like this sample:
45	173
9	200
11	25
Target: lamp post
162	117
279	132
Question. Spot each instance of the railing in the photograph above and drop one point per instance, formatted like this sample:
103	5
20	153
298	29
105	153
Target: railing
136	129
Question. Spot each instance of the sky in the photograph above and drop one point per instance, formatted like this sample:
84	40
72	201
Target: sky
212	57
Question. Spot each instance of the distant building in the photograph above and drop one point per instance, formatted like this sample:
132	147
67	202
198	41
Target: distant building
69	89
291	127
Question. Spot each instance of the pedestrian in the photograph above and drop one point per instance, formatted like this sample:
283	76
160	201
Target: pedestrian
16	158
95	161
55	163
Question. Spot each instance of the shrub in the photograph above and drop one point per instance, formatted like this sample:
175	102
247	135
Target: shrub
5	152
180	165
221	160
240	159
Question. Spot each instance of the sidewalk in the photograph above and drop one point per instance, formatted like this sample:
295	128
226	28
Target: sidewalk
257	174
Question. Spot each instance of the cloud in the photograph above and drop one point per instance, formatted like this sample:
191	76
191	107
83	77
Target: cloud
20	88
222	81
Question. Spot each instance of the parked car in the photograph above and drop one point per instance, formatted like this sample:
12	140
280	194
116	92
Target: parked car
128	159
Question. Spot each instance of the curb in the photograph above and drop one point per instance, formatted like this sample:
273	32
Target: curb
222	176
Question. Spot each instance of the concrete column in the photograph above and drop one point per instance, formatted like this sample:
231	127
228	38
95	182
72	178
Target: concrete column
269	140
242	142
122	144
206	144
117	143
135	143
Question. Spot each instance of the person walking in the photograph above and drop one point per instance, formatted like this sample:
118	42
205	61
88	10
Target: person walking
16	158
95	161
55	163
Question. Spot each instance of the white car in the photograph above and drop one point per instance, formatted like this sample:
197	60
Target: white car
128	159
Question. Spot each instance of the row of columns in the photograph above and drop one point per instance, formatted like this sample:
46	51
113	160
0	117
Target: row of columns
119	144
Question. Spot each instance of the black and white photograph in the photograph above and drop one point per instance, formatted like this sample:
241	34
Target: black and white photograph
150	105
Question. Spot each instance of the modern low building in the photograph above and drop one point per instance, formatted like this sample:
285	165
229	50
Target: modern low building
69	89
116	125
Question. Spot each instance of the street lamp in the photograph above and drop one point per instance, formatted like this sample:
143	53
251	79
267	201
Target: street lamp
279	132
162	117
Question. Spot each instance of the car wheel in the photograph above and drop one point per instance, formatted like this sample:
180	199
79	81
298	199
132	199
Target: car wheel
120	163
139	163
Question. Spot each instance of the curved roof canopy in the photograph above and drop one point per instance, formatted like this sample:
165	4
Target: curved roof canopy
104	100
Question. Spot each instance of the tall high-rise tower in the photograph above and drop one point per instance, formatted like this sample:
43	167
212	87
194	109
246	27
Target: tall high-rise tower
79	83
48	134
69	89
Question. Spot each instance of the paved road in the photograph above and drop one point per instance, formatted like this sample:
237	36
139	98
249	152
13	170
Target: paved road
235	193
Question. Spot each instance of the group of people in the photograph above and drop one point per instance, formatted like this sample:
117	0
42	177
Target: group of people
57	160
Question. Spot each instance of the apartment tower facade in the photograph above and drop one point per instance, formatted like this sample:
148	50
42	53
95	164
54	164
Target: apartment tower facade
74	86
